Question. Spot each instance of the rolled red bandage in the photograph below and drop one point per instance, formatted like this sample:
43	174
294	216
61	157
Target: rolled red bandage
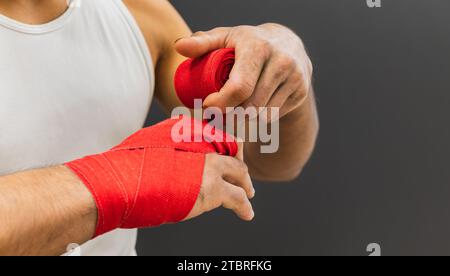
197	78
149	179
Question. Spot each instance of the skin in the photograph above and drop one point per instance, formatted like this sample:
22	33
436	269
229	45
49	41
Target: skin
42	211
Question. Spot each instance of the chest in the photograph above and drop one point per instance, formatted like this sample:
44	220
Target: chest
60	103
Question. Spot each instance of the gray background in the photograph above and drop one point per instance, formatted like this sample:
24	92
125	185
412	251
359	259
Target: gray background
380	172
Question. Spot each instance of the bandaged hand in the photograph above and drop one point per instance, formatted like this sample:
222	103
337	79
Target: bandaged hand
149	179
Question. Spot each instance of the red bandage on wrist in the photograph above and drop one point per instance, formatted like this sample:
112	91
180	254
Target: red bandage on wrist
197	78
149	180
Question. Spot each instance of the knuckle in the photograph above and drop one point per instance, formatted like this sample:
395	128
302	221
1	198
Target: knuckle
242	90
238	165
215	161
279	72
253	103
243	168
256	102
219	29
298	96
242	33
263	48
238	97
254	65
286	62
241	198
284	66
245	29
199	33
229	162
297	78
256	107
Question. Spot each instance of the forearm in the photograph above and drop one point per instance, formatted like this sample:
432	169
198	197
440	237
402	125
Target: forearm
298	134
43	211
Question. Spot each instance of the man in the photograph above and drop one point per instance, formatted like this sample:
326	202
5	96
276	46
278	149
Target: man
77	77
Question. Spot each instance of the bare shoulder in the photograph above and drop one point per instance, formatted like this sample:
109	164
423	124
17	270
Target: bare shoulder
159	22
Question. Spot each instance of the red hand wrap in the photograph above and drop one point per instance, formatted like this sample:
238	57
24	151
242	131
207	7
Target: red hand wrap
197	78
149	180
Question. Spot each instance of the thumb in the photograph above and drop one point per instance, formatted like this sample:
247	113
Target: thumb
201	43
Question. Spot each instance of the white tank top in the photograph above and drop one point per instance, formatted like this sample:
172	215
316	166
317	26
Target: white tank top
75	86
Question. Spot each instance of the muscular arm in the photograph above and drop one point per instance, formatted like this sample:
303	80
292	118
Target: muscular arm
298	129
43	211
162	26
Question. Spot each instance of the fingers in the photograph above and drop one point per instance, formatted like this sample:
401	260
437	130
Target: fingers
276	72
289	95
226	182
236	199
201	43
280	98
236	173
243	79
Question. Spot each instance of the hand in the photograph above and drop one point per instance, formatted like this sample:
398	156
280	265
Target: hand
227	183
272	67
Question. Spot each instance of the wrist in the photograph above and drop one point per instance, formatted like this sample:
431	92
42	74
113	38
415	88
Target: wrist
87	208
